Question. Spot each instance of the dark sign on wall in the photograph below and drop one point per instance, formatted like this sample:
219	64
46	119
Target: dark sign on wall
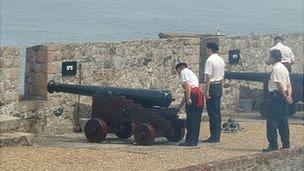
234	56
69	68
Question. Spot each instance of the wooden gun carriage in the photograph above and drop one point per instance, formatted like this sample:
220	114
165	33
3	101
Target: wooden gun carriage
296	82
125	111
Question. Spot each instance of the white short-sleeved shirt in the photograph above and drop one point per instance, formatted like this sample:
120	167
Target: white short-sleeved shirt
215	67
279	74
188	76
287	54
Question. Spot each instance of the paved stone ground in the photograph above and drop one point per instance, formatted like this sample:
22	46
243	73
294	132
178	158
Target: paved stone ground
73	152
78	140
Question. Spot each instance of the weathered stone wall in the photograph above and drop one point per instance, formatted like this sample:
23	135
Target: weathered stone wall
281	160
142	64
136	64
254	49
9	78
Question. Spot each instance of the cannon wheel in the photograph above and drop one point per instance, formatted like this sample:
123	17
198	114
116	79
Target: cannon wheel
179	134
144	134
95	130
125	130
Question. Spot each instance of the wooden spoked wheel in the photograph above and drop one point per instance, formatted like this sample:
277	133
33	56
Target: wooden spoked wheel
125	130
179	134
144	134
95	130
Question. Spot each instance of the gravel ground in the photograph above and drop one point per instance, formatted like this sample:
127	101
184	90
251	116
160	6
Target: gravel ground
250	141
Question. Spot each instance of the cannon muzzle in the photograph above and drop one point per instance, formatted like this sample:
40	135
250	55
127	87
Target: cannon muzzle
261	76
145	97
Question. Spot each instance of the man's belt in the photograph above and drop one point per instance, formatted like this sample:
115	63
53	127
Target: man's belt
275	93
215	82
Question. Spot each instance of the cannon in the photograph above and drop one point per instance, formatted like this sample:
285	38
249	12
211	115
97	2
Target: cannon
125	112
296	82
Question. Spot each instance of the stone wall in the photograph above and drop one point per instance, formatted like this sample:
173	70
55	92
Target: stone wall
9	78
145	64
137	64
280	160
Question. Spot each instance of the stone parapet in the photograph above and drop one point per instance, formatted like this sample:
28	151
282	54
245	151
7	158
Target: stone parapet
145	64
9	75
281	160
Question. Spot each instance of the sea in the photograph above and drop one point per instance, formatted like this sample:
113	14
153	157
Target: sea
25	23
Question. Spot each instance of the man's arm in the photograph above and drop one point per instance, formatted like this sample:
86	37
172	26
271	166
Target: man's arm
287	94
292	58
187	92
207	85
186	96
281	89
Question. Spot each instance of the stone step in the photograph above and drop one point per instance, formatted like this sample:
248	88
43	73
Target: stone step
9	123
16	139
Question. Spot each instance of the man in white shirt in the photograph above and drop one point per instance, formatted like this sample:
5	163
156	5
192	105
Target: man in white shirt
214	75
280	90
287	55
193	98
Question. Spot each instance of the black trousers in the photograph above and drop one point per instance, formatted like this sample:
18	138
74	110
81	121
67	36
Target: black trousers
277	120
193	121
214	110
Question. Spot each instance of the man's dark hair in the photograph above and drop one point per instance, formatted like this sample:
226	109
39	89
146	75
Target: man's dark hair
180	65
276	55
213	46
278	38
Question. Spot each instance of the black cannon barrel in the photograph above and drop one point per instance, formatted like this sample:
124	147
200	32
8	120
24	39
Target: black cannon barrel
260	76
145	97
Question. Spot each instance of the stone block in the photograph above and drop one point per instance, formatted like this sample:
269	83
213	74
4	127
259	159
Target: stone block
39	67
31	55
40	91
9	51
54	67
11	61
53	47
192	59
9	123
41	56
53	56
1	62
9	73
9	84
16	139
195	41
9	96
41	81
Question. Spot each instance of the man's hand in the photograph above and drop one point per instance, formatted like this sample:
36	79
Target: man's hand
207	95
189	101
289	99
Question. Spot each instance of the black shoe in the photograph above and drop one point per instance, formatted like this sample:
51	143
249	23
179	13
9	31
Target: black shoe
269	149
208	140
211	140
187	144
285	147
